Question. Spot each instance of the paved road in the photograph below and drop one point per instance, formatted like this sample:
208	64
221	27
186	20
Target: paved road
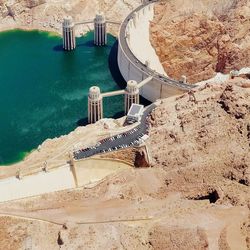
123	140
137	63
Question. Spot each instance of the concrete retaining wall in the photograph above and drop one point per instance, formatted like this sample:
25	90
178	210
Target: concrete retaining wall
37	184
91	170
135	49
83	172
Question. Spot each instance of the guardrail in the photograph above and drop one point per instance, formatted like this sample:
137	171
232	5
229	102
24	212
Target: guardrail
33	169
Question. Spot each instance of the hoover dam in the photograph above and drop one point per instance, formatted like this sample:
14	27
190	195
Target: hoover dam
137	58
167	171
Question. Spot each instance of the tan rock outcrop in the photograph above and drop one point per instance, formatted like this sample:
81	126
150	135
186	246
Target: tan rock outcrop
200	38
215	130
48	14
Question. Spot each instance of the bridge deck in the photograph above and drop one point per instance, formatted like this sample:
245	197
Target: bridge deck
145	81
92	21
114	93
85	22
113	22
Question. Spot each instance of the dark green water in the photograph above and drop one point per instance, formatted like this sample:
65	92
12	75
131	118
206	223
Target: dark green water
43	90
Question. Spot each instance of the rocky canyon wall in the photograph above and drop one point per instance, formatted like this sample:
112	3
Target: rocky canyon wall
200	38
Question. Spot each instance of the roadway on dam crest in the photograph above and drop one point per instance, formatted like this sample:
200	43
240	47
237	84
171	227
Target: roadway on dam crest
123	140
137	63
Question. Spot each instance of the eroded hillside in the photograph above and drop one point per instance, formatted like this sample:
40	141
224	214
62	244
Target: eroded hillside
48	14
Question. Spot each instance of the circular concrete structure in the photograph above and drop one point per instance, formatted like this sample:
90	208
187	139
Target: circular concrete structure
131	95
95	107
69	41
100	33
132	86
68	22
94	93
100	18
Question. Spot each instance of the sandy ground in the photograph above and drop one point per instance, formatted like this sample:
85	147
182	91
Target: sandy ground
93	170
94	221
48	15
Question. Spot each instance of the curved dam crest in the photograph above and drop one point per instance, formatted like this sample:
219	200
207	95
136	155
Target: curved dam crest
43	90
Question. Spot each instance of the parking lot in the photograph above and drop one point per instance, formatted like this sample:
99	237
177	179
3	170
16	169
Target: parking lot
126	139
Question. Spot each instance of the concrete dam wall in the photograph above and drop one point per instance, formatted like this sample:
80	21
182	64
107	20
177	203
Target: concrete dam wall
137	58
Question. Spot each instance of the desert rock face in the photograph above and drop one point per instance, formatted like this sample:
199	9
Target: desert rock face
133	156
48	14
206	143
200	38
162	237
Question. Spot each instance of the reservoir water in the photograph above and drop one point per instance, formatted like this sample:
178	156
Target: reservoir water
43	90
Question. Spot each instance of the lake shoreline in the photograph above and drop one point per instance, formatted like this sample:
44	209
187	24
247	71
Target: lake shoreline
29	152
25	28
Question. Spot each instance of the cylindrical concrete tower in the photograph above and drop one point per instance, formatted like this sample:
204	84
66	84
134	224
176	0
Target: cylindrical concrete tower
100	33
131	95
95	108
69	40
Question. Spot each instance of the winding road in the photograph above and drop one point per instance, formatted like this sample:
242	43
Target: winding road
124	140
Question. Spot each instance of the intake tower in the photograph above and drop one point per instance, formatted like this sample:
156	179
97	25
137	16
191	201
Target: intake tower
95	106
100	33
69	41
131	95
